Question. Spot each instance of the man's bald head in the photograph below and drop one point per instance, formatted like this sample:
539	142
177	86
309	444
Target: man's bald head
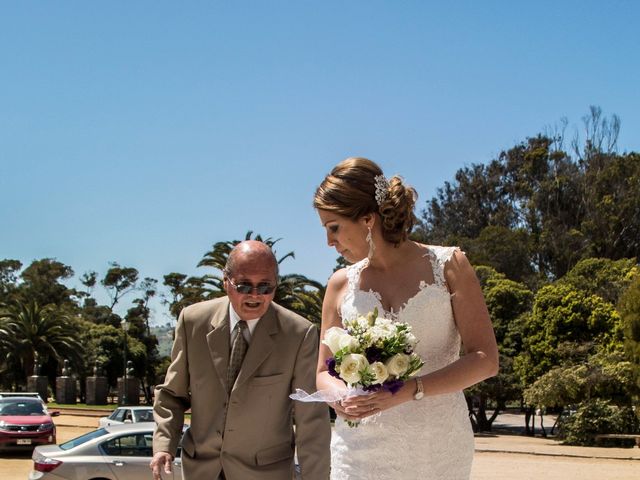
251	253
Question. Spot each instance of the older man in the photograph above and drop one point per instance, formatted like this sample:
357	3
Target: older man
235	360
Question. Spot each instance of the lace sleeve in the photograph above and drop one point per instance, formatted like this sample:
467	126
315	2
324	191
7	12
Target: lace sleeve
441	256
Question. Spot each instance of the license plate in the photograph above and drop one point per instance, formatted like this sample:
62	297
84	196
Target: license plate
23	441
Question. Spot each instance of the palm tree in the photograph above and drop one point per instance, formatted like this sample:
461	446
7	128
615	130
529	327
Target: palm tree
45	330
301	295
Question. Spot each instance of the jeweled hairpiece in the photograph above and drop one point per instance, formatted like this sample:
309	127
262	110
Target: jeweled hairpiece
382	189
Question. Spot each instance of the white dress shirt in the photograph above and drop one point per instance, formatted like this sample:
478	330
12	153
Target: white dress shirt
234	318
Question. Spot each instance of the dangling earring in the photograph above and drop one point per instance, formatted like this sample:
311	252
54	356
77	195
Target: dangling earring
372	247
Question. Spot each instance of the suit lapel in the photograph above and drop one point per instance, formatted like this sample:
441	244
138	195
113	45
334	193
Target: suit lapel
218	341
261	346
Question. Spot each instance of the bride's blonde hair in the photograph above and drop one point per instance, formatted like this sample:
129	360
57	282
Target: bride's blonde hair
350	190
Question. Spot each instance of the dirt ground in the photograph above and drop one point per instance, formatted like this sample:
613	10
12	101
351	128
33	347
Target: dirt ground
498	457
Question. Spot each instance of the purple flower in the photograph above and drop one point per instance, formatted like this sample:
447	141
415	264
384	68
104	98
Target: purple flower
373	388
393	385
374	354
331	366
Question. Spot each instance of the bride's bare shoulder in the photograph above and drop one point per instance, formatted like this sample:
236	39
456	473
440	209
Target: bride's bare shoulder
337	281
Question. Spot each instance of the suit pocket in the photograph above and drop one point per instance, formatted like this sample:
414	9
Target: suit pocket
275	454
267	380
188	447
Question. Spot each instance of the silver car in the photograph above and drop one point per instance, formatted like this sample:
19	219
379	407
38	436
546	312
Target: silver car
127	415
117	452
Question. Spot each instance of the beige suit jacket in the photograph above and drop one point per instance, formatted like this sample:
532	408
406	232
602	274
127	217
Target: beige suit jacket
250	432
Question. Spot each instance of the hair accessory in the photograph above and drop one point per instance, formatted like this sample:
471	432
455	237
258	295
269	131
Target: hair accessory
382	189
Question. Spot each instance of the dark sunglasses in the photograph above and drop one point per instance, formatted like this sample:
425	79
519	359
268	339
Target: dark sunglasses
246	287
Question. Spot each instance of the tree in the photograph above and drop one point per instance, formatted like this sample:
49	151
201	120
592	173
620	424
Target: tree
563	315
49	331
8	277
41	283
119	281
559	210
612	205
507	301
629	306
301	295
184	291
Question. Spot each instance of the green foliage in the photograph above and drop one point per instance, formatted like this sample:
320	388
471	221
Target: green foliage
612	199
605	375
103	347
502	248
598	416
32	331
560	386
602	276
629	307
506	301
41	283
119	281
562	314
534	211
8	276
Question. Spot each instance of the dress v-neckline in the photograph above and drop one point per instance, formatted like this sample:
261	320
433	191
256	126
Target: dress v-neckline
422	286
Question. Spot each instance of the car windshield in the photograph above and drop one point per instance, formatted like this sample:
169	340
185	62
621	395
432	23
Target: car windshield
83	439
143	415
20	408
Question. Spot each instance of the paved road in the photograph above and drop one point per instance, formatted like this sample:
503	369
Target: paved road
498	457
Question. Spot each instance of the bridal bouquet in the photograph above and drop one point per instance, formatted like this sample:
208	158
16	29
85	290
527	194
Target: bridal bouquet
372	353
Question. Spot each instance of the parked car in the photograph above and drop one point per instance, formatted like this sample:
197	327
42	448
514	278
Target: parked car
20	394
25	423
127	415
115	452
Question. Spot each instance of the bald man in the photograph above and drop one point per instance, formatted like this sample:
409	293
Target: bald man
234	362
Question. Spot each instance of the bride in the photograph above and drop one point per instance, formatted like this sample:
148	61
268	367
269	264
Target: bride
423	430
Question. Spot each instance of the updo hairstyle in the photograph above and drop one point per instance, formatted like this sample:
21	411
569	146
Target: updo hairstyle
350	190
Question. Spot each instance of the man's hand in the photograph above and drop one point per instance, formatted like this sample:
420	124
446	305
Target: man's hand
161	461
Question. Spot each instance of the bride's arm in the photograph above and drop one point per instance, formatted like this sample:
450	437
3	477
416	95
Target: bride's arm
330	318
480	360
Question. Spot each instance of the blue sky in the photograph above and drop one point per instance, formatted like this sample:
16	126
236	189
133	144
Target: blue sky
143	132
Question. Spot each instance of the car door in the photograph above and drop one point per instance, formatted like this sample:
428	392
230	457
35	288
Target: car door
128	455
117	417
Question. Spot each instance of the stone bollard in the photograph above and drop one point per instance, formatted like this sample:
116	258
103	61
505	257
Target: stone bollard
66	392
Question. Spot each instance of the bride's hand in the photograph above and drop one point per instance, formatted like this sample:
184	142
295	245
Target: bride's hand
341	410
361	406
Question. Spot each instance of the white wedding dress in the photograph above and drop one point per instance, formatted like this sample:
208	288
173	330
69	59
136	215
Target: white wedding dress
423	439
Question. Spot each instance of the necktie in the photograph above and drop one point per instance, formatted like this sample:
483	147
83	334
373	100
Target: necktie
238	350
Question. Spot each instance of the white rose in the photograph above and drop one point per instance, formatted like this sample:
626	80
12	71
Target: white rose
411	340
348	342
379	372
381	332
351	366
332	338
398	364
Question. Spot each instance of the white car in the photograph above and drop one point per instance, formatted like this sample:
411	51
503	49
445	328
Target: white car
127	415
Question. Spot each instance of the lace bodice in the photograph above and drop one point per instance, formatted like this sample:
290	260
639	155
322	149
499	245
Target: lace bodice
430	438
